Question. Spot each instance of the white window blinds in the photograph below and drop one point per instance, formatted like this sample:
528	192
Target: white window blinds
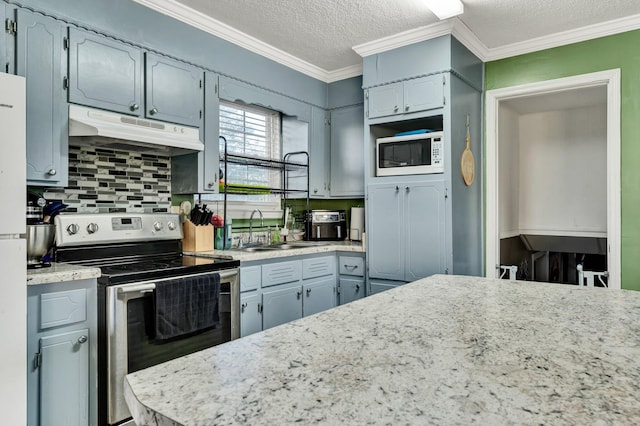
254	132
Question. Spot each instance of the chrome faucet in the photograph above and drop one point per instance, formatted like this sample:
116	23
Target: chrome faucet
251	224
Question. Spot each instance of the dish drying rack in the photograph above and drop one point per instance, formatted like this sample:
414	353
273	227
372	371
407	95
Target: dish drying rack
285	166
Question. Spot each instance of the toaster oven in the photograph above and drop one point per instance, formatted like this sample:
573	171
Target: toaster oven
325	225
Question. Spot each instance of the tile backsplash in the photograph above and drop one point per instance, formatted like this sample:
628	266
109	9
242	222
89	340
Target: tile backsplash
111	181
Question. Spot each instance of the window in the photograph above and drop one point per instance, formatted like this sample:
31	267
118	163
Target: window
255	132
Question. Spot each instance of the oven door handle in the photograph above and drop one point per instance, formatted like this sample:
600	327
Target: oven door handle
228	274
150	287
140	288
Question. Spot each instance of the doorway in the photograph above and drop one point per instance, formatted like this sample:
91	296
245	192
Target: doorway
553	176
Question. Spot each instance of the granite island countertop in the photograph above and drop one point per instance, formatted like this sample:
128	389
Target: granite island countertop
61	272
442	350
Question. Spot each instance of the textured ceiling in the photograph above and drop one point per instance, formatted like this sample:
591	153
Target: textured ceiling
323	32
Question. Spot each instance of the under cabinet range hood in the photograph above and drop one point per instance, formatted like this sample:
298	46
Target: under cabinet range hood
93	127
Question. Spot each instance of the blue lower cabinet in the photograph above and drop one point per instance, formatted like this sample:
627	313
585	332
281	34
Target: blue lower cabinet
62	354
250	313
319	295
350	289
275	293
64	379
281	305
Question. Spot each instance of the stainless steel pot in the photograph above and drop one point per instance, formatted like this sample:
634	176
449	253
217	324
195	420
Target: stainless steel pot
39	241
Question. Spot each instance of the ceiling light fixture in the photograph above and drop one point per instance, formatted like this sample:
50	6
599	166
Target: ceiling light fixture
444	9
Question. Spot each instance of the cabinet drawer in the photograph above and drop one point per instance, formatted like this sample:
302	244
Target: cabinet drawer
378	286
62	308
351	265
281	273
318	267
250	278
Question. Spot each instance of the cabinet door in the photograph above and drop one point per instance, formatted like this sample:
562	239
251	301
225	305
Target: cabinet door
423	93
424	220
173	91
211	154
64	379
385	100
295	138
104	73
319	154
250	314
319	295
350	289
198	172
281	306
42	59
385	231
347	152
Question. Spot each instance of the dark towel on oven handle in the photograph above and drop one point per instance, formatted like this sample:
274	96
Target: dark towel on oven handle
186	305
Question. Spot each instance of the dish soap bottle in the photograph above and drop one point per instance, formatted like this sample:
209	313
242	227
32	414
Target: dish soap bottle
217	242
276	235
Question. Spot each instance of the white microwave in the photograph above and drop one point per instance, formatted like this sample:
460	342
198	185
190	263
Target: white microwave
410	154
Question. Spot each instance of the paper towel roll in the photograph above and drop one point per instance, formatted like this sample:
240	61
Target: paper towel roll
357	224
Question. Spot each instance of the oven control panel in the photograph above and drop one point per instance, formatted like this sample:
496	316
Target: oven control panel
78	229
126	223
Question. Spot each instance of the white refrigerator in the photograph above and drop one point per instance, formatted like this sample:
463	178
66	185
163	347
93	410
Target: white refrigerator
13	250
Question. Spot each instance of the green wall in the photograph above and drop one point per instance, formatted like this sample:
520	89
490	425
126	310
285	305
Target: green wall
617	51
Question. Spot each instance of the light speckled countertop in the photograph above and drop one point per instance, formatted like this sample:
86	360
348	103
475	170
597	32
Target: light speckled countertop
244	256
442	350
59	272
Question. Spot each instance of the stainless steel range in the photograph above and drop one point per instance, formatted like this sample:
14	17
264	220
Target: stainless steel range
154	303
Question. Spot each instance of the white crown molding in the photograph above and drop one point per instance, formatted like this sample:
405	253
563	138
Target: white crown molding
465	36
458	28
616	26
212	26
344	73
405	38
453	26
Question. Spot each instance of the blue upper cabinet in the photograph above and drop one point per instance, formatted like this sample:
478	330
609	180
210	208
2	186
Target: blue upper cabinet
385	100
115	76
174	91
104	73
406	97
347	150
184	179
41	59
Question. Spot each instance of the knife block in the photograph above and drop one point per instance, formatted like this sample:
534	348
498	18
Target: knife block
197	238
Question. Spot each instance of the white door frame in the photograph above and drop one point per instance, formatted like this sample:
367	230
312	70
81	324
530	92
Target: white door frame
610	79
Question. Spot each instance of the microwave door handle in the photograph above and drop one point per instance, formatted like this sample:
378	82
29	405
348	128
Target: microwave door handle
318	231
339	231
